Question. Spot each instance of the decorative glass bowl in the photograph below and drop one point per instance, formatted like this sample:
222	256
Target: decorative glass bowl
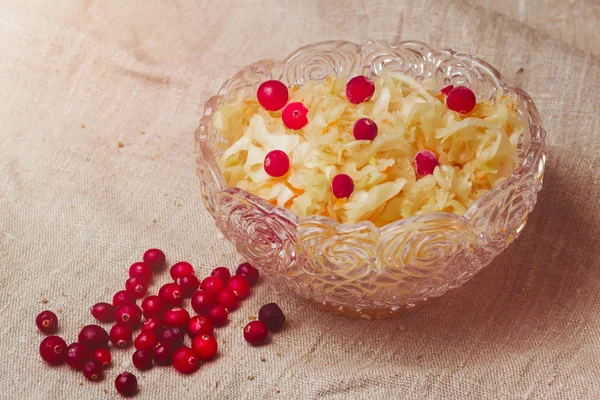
360	270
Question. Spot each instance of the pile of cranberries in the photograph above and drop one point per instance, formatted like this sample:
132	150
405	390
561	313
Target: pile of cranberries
273	96
162	321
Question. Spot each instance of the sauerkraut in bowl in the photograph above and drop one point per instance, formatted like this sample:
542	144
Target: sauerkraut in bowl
425	203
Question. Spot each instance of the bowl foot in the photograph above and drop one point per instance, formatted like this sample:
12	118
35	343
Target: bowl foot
373	313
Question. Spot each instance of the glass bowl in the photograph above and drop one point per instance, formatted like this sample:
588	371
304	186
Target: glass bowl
360	270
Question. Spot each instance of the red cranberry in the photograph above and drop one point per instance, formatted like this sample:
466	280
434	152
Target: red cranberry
249	272
177	317
102	355
155	258
152	325
212	284
425	162
180	269
205	346
129	314
93	336
239	286
272	95
120	335
185	360
103	312
123	297
189	284
461	99
447	90
342	186
171	337
126	384
53	350
47	322
256	332
359	89
140	270
218	315
142	359
153	306
202	301
294	116
272	316
171	294
221	272
227	298
145	341
365	129
77	355
93	370
163	355
199	325
136	286
276	163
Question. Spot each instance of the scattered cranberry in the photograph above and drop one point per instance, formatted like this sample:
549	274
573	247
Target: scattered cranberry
180	269
342	186
365	129
185	360
103	312
272	316
294	116
221	272
227	298
218	315
47	322
136	286
461	99
240	286
276	163
171	294
145	341
447	90
123	297
153	306
256	332
189	284
142	359
120	335
249	272
163	355
359	89
93	336
152	325
102	355
155	258
272	95
200	325
202	301
93	370
425	162
176	317
129	314
53	350
212	284
205	346
126	384
140	270
171	337
77	355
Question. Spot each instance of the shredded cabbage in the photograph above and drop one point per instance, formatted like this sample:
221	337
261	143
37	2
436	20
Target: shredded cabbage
476	151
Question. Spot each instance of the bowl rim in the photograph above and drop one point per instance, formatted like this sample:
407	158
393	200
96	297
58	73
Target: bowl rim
533	122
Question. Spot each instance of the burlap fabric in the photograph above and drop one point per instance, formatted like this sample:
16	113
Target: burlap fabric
99	101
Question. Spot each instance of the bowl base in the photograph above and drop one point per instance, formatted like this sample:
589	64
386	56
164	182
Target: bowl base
373	313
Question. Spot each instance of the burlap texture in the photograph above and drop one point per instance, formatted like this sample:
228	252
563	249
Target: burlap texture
99	101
